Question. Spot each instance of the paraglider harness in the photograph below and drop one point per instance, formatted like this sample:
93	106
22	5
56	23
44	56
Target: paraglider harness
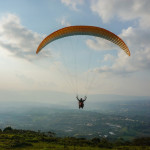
81	102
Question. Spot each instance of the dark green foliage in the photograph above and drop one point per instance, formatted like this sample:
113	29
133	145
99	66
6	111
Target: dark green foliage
13	138
120	142
105	143
19	143
8	129
96	140
145	141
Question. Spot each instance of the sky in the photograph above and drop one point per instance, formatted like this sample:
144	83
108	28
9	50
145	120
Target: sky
24	24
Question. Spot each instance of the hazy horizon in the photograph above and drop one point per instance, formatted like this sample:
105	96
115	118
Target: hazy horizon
60	98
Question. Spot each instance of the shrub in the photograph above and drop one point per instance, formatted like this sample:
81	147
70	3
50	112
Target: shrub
8	129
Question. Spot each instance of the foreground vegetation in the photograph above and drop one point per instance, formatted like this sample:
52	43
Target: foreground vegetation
14	139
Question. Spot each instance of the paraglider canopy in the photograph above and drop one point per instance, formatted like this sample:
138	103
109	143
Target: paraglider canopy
84	30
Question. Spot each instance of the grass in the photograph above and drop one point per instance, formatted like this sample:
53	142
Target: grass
53	146
12	139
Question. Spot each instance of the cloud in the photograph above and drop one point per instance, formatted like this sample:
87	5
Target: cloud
120	65
63	21
136	37
109	57
17	39
73	3
100	44
125	10
137	40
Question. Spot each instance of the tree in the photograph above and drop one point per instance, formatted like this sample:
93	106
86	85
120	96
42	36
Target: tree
8	129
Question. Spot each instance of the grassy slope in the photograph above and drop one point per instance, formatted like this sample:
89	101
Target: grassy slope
12	139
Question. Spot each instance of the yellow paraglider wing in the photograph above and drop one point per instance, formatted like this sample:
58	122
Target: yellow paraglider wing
84	30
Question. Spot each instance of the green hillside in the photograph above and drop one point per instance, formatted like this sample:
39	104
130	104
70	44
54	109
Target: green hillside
13	139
